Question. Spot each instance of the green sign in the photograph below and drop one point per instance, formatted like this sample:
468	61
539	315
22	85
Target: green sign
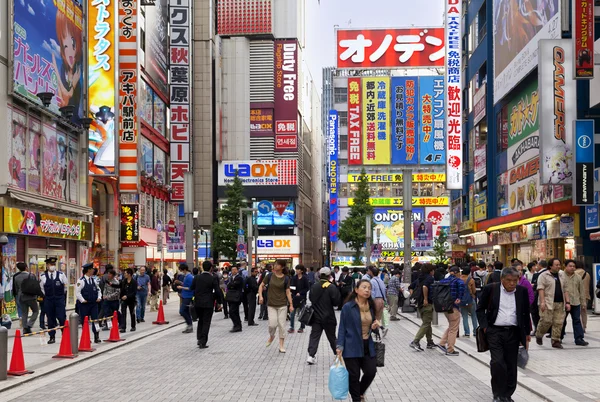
523	114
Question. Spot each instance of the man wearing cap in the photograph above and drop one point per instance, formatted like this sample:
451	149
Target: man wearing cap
88	296
54	284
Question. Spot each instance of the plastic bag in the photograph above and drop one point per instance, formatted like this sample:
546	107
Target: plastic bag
385	318
523	357
338	380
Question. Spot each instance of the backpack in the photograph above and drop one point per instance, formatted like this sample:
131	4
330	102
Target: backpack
442	295
478	282
467	299
31	286
417	298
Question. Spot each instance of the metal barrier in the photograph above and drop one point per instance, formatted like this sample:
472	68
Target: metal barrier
3	353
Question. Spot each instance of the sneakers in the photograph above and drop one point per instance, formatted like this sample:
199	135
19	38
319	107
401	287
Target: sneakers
416	346
431	345
384	332
311	360
188	330
453	353
582	343
291	331
394	319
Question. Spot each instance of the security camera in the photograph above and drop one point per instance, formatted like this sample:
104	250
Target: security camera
3	240
45	97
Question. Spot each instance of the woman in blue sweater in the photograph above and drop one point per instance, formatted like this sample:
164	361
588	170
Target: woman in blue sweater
354	343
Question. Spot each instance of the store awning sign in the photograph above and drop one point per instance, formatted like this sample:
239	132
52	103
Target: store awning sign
583	182
31	223
592	218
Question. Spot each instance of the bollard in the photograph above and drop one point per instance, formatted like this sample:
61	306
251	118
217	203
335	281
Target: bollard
434	321
74	328
3	353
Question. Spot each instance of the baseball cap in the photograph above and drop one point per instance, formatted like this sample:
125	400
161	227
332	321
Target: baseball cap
325	271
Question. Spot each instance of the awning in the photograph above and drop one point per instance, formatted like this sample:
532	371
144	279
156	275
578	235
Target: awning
57	206
542	212
140	243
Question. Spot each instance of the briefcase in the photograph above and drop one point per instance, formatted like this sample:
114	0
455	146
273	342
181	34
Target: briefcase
481	338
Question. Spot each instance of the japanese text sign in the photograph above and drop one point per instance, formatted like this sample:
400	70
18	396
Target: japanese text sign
130	223
377	48
128	92
261	122
405	117
583	38
286	93
398	178
376	122
37	224
354	122
454	165
416	201
180	93
432	136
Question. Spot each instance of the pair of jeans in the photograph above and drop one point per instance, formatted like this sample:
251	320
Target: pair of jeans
577	325
465	311
293	317
449	337
358	386
184	310
426	313
141	298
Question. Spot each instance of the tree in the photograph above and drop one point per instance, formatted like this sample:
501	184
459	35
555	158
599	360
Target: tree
440	248
353	229
225	229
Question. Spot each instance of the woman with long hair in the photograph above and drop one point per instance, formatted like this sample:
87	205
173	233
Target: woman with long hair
354	343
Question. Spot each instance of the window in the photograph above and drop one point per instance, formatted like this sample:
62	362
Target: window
340	95
343	116
152	109
343	142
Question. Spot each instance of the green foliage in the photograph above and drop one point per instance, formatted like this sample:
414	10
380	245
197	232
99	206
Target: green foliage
353	230
225	229
440	249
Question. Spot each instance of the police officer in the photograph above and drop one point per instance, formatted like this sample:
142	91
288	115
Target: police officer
54	285
88	296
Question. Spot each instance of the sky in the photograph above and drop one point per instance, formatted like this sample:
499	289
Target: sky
321	18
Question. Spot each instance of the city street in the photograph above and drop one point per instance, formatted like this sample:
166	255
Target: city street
237	367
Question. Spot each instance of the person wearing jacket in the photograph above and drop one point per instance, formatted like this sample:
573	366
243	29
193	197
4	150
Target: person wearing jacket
206	291
354	343
457	289
110	297
324	296
234	298
154	290
128	296
88	296
468	303
251	291
264	313
166	285
26	301
299	287
345	285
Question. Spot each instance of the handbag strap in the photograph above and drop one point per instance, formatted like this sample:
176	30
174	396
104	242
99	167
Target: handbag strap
322	293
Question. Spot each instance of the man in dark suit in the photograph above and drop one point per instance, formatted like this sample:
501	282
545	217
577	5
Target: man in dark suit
251	291
503	314
206	292
345	285
234	298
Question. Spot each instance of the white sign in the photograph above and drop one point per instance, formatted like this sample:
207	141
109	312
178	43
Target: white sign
558	100
277	172
454	123
480	157
278	245
479	105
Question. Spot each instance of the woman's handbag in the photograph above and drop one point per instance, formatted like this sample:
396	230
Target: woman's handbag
379	349
339	380
481	338
307	312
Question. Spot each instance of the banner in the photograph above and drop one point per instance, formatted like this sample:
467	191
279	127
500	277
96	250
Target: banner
480	163
376	124
176	240
157	46
101	86
432	135
524	125
31	223
405	117
390	224
48	53
558	100
422	235
439	218
524	188
286	94
180	94
398	202
583	182
454	117
398	177
130	223
261	122
592	217
275	172
354	122
480	207
583	38
9	269
333	129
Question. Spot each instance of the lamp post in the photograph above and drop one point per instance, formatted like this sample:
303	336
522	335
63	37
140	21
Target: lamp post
249	229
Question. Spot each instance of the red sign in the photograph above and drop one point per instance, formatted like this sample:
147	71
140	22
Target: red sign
286	127
280	206
286	142
583	35
235	17
286	95
354	122
375	48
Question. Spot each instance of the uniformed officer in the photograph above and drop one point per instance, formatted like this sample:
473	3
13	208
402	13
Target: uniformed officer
54	285
88	295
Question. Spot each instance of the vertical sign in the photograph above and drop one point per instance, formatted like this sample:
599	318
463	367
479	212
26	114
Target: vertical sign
558	108
128	88
583	182
179	93
432	137
354	122
376	110
405	119
583	38
130	223
454	166
332	145
286	95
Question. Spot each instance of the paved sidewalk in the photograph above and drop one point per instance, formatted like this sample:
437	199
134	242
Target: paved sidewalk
570	374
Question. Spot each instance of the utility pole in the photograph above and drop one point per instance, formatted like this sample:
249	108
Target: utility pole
407	212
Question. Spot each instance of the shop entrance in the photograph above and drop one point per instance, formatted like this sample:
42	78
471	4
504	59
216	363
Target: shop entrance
37	265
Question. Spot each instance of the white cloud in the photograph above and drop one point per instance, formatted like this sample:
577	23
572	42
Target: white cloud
42	2
30	10
52	47
22	3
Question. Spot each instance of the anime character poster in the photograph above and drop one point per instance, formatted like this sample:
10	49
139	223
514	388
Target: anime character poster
16	162
35	156
9	268
48	52
52	185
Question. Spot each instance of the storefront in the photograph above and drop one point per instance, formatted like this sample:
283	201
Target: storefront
272	248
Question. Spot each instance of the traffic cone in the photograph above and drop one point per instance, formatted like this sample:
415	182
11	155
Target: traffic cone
17	361
85	345
65	351
114	331
160	320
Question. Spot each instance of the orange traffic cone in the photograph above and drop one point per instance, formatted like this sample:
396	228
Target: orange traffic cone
65	351
85	345
17	361
160	320
114	331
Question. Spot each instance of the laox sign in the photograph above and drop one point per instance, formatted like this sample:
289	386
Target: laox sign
254	170
274	243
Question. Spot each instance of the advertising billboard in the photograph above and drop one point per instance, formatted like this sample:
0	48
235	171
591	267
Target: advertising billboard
376	120
432	135
354	122
261	122
235	17
558	100
101	86
157	46
398	202
278	245
583	38
332	147
276	172
422	235
36	224
583	182
524	125
454	118
286	94
48	53
130	223
385	48
439	218
518	27
397	178
180	93
390	224
405	118
480	162
275	217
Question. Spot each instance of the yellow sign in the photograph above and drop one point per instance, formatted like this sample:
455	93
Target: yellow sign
27	222
376	120
398	178
416	201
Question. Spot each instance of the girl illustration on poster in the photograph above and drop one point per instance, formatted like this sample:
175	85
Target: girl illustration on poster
16	164
34	163
28	225
422	232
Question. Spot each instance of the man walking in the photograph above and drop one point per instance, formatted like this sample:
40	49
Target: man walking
54	285
422	297
111	294
394	293
553	301
87	293
264	313
586	279
186	297
457	289
234	298
206	291
324	297
25	299
575	290
143	281
503	314
166	285
251	291
346	284
542	267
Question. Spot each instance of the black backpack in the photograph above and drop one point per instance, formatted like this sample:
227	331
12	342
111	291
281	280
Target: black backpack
417	298
31	286
442	296
478	282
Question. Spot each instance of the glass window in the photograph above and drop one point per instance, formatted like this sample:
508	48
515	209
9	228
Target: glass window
159	165
340	95
343	118
17	163
159	116
147	156
35	156
343	142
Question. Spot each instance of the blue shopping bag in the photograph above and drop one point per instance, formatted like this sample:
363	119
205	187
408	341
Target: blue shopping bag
338	380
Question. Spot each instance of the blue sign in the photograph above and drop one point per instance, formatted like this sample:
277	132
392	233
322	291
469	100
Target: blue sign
332	147
592	218
583	182
264	207
405	118
432	136
240	232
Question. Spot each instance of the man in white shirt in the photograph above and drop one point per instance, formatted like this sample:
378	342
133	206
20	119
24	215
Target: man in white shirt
54	285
